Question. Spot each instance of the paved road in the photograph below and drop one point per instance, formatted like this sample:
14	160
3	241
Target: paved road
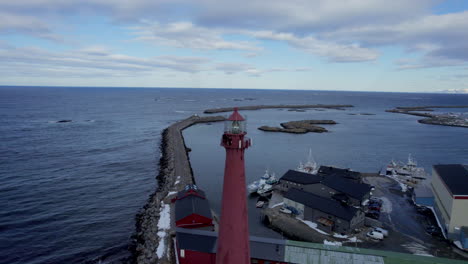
406	224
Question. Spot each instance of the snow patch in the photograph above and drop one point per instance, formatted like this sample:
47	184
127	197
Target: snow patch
278	204
177	180
417	249
164	224
339	236
403	187
354	240
171	193
332	243
312	225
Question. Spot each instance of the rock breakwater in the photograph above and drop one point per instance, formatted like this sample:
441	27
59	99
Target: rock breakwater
152	241
290	107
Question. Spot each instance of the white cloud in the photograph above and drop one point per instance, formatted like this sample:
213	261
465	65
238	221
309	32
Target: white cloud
333	51
340	31
187	35
442	39
91	61
13	23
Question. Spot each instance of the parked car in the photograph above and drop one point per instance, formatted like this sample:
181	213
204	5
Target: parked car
375	235
381	230
285	210
373	214
376	200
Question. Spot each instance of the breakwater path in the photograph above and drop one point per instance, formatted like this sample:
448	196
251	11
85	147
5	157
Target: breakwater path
152	241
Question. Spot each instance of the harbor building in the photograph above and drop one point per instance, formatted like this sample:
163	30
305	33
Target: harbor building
450	188
199	247
331	186
192	209
331	215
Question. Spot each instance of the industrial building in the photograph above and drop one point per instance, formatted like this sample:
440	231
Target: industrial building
450	188
330	215
330	186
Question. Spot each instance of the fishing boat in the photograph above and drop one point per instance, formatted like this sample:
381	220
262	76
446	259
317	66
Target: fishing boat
310	166
265	180
408	173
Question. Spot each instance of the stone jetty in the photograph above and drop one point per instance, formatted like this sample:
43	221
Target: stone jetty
300	127
152	241
290	107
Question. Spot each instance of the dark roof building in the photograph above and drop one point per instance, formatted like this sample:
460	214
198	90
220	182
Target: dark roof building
325	205
192	244
351	188
455	177
192	209
314	182
344	173
301	177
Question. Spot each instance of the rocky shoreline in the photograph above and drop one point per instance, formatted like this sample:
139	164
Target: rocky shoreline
300	127
174	173
433	119
290	107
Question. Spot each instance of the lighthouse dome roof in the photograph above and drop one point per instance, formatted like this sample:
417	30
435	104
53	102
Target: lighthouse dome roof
236	116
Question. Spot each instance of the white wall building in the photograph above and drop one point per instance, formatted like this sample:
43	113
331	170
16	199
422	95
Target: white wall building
450	188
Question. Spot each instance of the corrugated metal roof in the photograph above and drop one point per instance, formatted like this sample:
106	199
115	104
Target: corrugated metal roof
388	257
349	187
301	177
328	206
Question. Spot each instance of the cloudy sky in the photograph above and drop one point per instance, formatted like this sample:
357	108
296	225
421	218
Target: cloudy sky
365	45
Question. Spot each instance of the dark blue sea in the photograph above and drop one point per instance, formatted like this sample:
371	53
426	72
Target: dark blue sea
70	191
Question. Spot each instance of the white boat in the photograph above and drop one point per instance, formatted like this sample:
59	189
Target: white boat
310	166
407	173
253	187
265	180
264	189
272	179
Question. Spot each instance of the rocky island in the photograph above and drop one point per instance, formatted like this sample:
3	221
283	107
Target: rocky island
450	119
300	127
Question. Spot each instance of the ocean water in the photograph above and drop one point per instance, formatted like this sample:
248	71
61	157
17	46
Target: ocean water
70	191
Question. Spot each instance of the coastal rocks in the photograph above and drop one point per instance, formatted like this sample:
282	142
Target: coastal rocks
300	127
257	107
64	121
450	119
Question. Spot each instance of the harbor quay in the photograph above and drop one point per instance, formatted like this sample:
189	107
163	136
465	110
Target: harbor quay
160	239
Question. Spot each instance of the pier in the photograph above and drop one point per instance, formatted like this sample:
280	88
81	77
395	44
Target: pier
175	172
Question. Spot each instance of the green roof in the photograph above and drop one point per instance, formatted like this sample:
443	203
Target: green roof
304	252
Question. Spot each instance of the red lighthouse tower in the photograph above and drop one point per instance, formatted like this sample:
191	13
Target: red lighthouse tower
233	238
